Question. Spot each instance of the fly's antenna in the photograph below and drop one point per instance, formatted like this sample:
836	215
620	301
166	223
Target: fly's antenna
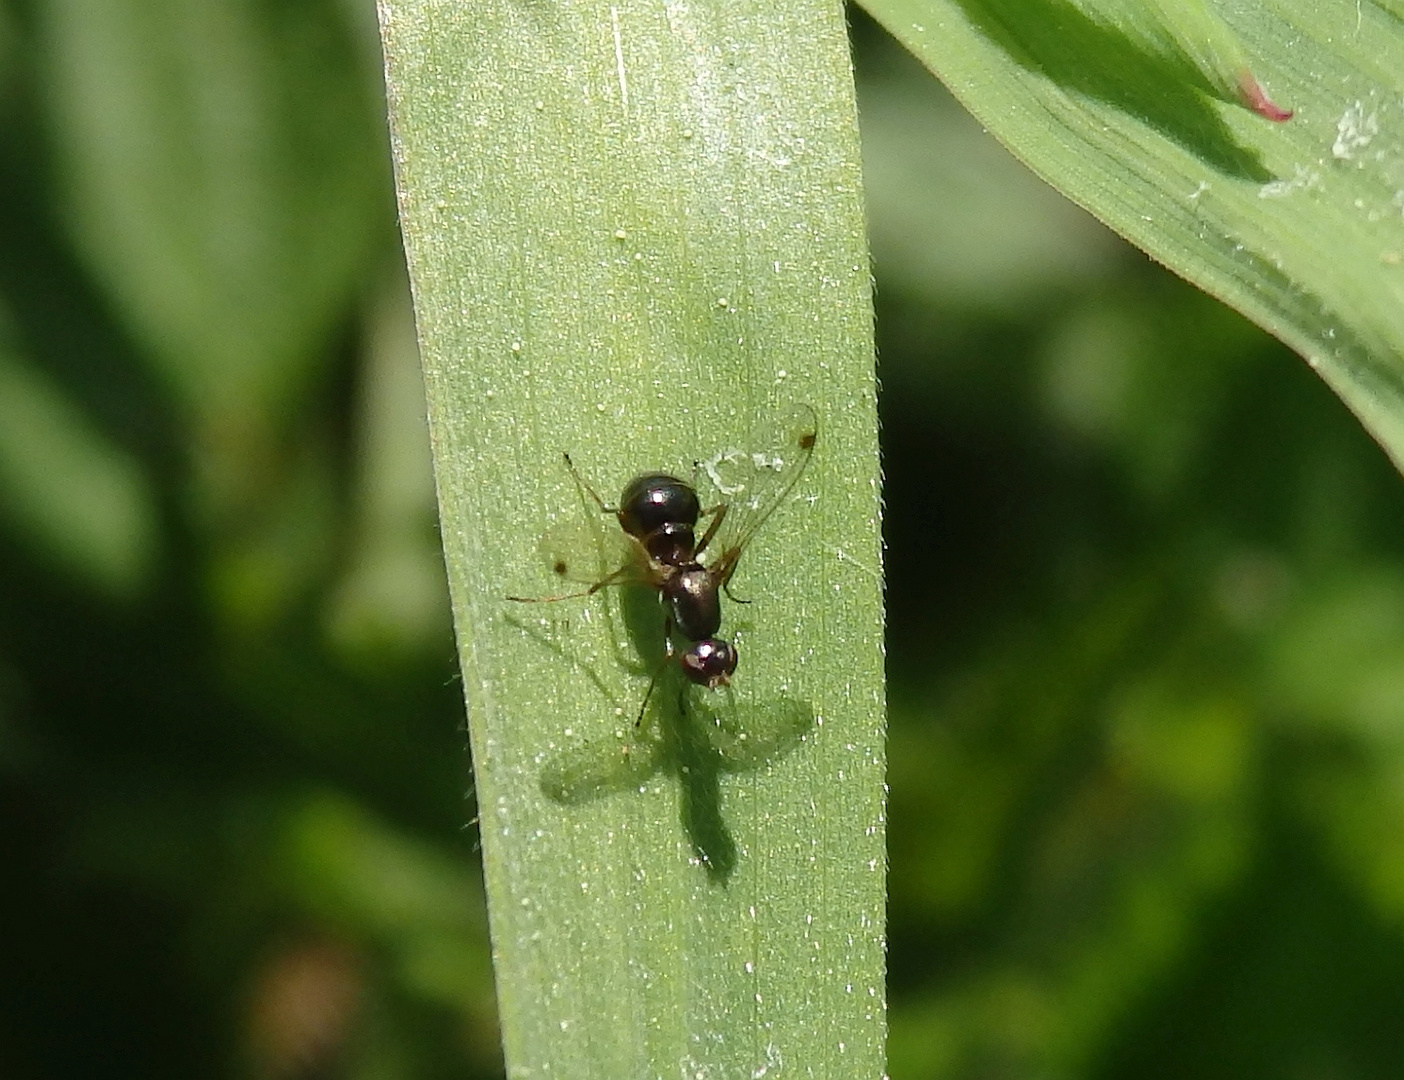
585	486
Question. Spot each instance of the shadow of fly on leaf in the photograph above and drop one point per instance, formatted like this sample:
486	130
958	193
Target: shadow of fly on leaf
696	733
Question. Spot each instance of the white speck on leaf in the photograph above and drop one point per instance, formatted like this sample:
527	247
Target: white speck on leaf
1355	130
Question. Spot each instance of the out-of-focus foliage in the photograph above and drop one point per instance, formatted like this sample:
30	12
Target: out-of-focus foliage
1296	224
1147	650
1146	584
231	741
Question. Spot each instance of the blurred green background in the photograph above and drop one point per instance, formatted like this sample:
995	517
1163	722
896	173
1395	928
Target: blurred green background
1146	593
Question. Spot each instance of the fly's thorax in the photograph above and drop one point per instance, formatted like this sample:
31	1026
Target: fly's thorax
674	543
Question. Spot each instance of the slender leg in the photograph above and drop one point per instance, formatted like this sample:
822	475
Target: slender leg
723	568
667	659
619	577
718	513
638	720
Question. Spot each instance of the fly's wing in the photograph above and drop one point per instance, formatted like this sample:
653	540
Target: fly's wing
590	552
752	483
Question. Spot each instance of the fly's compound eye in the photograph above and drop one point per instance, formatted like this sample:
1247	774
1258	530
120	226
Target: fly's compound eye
710	662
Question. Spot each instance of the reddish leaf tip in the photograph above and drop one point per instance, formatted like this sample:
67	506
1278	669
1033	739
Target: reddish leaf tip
1254	97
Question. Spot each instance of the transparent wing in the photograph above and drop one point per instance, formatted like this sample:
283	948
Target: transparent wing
589	552
752	483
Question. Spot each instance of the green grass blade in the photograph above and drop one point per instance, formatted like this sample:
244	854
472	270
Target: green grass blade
1300	225
635	234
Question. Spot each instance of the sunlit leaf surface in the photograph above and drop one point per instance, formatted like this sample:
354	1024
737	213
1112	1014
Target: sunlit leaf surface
635	236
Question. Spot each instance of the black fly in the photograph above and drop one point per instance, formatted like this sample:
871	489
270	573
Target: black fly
659	516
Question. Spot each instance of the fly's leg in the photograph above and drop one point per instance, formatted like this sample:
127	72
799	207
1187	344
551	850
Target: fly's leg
668	656
718	514
617	578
